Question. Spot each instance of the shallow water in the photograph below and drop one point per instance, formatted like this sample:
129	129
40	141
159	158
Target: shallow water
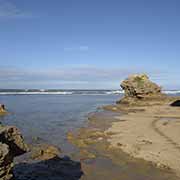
48	118
114	164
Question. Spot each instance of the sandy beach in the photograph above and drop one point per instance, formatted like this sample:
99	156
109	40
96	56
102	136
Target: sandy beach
140	132
140	144
151	134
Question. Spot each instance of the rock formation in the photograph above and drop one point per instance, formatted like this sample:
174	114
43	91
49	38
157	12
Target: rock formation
2	109
138	88
44	152
6	163
11	145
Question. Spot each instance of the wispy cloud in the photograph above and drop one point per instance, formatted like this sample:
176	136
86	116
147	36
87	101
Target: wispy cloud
9	9
77	48
83	48
79	77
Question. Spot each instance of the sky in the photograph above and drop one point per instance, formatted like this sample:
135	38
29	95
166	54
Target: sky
88	44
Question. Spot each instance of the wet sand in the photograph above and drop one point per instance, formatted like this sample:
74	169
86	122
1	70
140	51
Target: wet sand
101	155
151	133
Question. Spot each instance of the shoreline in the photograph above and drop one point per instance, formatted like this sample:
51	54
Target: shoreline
150	133
100	140
136	138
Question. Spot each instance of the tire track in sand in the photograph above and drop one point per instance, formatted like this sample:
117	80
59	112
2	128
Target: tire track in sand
162	134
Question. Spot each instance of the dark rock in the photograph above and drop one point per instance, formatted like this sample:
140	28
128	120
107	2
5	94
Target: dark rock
52	169
11	145
176	103
11	136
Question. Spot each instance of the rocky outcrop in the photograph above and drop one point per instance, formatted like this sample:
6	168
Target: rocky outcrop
44	152
2	109
139	88
11	145
6	163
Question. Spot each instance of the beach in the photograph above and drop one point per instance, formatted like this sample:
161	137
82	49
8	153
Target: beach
89	90
140	133
123	145
151	134
102	137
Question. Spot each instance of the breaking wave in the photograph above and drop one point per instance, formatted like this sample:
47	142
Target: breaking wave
72	92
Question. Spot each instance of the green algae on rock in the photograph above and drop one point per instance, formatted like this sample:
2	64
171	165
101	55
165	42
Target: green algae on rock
44	152
140	90
102	161
140	86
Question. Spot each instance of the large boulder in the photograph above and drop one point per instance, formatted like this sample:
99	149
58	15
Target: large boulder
11	145
11	136
138	88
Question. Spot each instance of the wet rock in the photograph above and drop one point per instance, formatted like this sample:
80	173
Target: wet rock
85	155
5	163
11	145
52	169
95	134
176	103
86	137
78	141
70	136
2	109
44	152
11	136
138	88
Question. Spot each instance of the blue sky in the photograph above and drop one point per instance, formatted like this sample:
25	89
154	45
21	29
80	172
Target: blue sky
88	43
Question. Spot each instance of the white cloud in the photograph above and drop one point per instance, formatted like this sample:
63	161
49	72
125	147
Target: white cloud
74	77
10	10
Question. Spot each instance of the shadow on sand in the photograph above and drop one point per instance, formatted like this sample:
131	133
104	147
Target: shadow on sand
52	169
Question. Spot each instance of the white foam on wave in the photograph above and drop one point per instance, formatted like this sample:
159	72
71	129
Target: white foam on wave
171	91
76	92
34	93
115	92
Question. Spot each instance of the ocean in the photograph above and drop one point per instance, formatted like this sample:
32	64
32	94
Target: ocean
47	115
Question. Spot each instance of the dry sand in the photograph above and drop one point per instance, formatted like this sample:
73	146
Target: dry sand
152	134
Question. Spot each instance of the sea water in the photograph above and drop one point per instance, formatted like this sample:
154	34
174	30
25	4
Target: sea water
48	117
